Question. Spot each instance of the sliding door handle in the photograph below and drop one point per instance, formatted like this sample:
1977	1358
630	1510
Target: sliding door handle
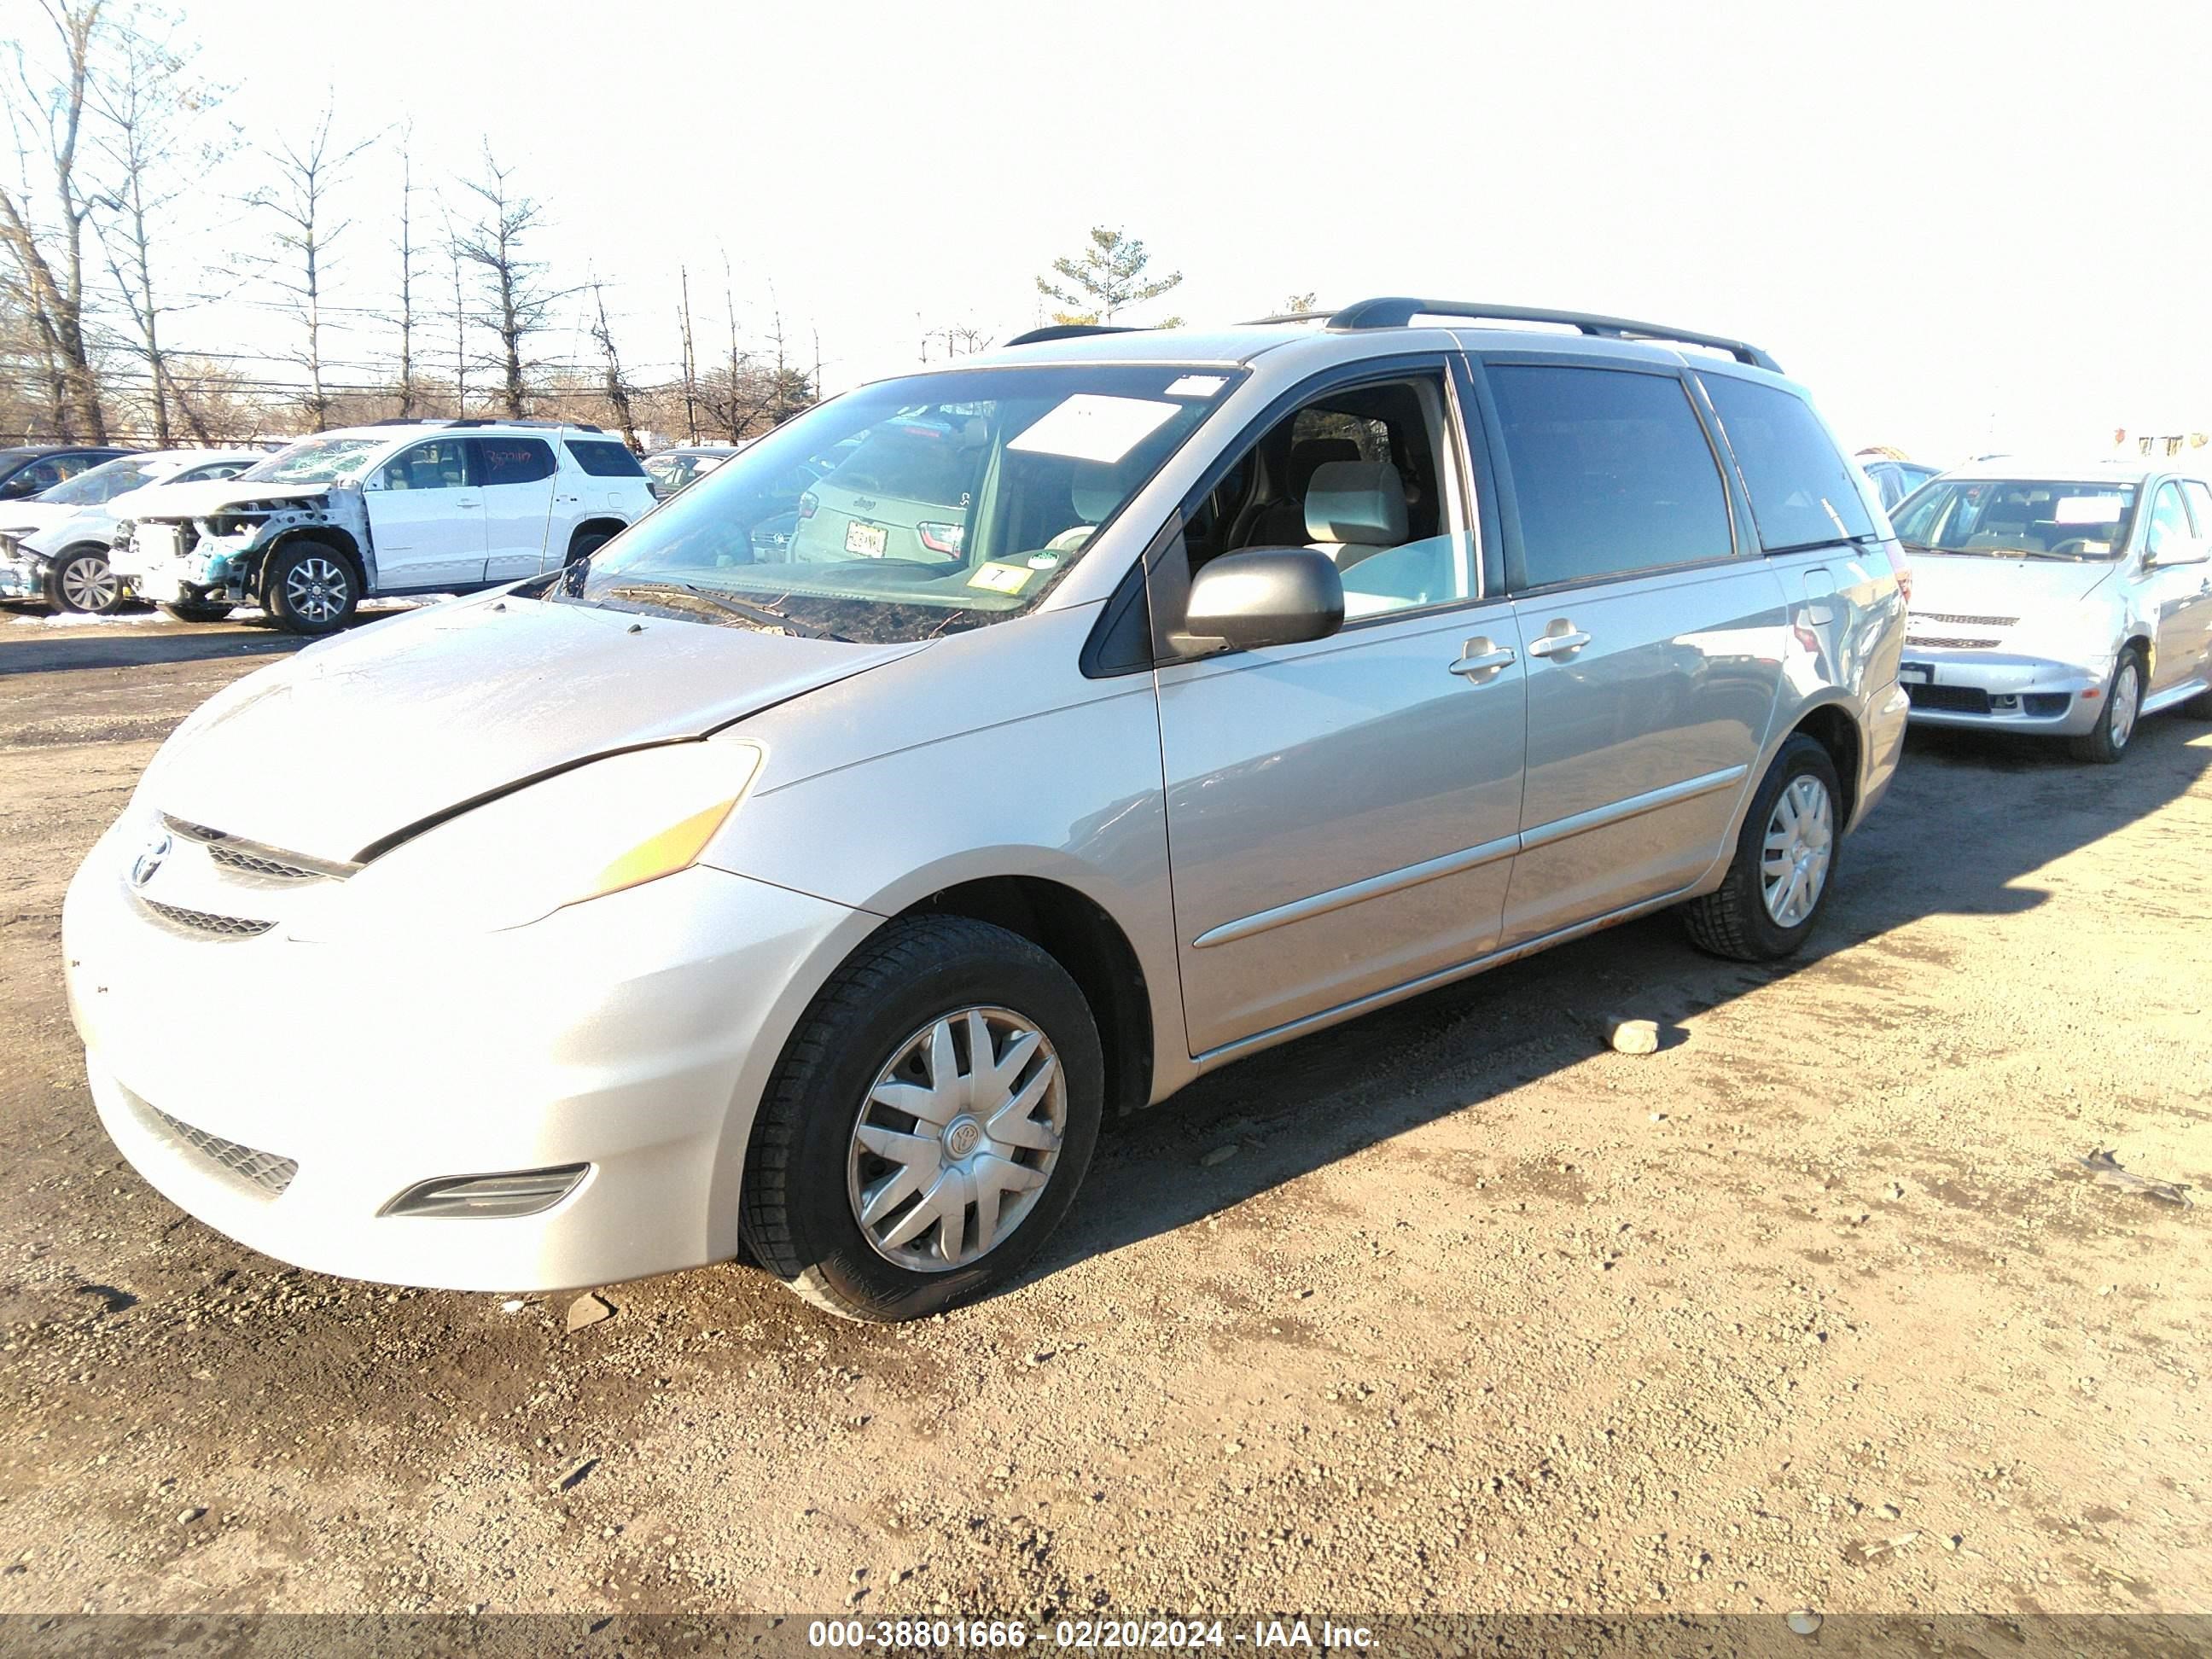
1558	645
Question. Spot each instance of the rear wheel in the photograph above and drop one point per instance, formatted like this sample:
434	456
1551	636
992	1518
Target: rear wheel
310	587
2107	740
82	582
928	1125
587	543
1766	907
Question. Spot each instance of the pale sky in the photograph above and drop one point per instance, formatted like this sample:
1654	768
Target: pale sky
1964	228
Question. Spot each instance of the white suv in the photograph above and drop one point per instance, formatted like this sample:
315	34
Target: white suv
425	507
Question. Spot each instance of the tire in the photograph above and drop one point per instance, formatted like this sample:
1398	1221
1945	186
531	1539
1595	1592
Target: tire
1736	919
2106	741
311	588
586	544
81	584
197	610
807	1170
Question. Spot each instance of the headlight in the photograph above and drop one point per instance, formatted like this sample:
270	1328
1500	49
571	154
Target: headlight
591	830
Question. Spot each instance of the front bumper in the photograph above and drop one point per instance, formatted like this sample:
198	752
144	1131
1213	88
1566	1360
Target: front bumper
633	1033
2005	691
22	573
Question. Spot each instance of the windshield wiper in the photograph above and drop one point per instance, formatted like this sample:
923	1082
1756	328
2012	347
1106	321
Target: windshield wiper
758	615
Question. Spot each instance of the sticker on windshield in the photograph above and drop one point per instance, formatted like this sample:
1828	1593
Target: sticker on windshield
1000	578
2085	509
1088	427
1197	386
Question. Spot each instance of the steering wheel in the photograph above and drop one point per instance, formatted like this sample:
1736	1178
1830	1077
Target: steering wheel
2072	544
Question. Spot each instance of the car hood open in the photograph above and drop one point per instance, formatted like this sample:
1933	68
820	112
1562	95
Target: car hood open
197	501
1974	585
339	750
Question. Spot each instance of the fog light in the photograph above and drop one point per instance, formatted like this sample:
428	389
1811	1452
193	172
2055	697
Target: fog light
523	1192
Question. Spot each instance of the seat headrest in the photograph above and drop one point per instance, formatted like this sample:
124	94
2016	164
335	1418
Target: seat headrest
1095	488
1362	502
1307	455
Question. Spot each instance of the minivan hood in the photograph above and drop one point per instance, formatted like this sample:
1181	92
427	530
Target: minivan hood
197	501
1974	585
351	741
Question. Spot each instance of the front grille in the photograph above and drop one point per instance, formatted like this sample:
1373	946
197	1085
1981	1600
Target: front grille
1964	622
1948	642
199	921
266	1170
255	864
1950	699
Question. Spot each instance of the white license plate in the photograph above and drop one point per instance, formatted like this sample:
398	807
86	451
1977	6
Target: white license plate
1916	674
868	540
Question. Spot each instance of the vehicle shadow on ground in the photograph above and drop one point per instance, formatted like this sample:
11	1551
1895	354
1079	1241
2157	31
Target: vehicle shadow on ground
141	641
1967	818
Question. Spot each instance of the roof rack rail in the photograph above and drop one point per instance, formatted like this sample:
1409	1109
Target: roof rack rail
1069	331
1394	312
518	420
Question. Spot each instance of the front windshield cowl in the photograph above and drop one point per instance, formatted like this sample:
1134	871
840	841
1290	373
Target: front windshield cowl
915	507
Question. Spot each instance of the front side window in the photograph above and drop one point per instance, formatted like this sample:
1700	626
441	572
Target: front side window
441	463
1802	494
2200	504
2169	522
103	482
2018	518
513	460
913	506
317	460
1612	473
1363	473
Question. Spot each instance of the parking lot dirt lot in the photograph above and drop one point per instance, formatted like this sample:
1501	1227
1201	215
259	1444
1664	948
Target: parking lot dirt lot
1451	1308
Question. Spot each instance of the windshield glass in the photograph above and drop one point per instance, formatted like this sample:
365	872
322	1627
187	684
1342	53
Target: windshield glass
103	482
913	508
317	460
2019	518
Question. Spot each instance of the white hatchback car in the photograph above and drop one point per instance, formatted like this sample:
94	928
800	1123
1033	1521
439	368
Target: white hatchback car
2062	601
54	546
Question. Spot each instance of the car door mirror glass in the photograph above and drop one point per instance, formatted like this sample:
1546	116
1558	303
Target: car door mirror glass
1262	597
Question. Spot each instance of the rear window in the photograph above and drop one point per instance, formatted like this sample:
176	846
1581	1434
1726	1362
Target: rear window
603	458
1802	494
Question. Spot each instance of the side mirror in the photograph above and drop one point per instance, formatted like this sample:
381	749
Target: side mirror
2178	549
1265	596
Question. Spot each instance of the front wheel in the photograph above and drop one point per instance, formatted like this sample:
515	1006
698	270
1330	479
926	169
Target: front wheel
311	588
82	583
2106	741
928	1124
1764	908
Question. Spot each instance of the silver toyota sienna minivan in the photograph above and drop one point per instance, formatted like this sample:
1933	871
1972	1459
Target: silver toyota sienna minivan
812	890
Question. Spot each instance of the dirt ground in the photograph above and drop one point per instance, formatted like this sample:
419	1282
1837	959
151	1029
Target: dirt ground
1450	1309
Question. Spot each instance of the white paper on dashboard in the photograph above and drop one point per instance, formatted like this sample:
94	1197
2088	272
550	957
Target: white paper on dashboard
1088	427
2085	509
1197	386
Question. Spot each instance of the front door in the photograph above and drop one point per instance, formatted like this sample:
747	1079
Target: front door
1342	814
2174	594
1654	652
516	479
426	517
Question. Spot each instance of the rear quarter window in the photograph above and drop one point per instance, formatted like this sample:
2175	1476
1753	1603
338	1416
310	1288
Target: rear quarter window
1802	494
603	458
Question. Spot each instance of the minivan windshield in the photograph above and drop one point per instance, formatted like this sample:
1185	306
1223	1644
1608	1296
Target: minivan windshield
103	482
2018	518
911	507
317	460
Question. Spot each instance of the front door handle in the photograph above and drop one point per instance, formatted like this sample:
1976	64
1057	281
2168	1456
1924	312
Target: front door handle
1481	660
1558	645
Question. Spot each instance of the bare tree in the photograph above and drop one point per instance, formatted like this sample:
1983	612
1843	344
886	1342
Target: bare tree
150	106
309	168
48	260
690	364
408	391
460	317
513	285
618	389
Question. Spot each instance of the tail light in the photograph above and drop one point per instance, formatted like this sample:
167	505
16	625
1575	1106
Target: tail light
943	538
807	504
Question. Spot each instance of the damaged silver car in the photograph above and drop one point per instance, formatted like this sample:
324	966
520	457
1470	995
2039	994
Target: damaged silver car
435	507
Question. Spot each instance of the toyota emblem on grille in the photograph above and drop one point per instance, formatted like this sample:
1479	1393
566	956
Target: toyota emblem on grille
143	868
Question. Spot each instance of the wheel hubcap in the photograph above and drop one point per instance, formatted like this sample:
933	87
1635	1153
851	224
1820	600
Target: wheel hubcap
957	1139
88	584
1801	838
316	589
2127	697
